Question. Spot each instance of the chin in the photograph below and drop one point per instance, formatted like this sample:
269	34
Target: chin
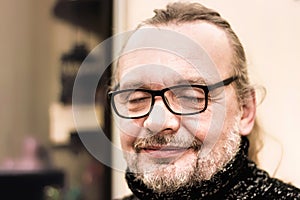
166	176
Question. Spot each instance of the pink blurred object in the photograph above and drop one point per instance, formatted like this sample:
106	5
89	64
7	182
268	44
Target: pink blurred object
33	157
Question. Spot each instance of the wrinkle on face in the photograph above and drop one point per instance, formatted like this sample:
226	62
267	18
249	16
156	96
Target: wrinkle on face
216	128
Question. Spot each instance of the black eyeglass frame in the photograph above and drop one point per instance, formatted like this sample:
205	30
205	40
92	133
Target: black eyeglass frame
154	93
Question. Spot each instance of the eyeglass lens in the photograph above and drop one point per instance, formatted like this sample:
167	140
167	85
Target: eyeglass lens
180	100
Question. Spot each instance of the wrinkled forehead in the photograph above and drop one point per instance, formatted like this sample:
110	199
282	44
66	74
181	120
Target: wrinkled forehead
150	66
161	55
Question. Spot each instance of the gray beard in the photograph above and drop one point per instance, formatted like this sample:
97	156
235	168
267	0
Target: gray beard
165	177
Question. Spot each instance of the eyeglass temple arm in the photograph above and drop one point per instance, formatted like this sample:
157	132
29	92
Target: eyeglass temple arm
222	83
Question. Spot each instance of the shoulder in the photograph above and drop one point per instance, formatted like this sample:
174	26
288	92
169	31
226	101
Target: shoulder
273	188
258	184
278	188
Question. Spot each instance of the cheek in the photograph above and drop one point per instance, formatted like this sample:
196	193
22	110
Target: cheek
129	130
198	125
127	141
209	125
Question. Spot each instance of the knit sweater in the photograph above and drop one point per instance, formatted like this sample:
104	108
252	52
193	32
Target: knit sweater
239	179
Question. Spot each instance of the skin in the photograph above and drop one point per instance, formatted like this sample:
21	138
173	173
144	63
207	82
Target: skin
134	67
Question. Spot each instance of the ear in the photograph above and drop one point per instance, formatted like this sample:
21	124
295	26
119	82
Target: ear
248	114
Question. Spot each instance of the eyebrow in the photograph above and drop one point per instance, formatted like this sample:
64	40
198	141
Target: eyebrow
138	84
131	84
196	81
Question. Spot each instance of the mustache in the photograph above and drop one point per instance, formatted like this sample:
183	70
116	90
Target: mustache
168	140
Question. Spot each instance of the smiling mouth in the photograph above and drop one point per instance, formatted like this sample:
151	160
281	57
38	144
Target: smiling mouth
164	151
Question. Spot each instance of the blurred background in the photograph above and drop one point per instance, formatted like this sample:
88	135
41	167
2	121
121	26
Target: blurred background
43	44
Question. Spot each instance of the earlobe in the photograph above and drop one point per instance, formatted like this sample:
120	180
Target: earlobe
248	115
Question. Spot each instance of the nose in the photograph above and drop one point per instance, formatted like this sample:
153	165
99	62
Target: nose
161	119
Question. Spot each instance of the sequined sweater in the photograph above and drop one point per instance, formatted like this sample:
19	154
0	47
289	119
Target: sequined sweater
239	179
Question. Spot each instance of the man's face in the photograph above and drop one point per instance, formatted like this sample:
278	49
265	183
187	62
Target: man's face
166	150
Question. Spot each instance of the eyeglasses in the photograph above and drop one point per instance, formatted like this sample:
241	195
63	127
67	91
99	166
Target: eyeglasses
179	99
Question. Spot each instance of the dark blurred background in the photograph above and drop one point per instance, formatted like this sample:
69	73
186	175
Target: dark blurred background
43	44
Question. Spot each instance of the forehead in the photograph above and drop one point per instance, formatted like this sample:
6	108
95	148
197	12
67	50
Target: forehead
207	56
157	66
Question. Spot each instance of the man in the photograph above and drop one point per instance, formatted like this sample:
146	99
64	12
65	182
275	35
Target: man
185	109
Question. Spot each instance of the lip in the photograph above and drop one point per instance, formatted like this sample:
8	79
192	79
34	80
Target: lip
164	151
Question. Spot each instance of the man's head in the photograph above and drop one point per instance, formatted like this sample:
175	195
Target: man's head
174	106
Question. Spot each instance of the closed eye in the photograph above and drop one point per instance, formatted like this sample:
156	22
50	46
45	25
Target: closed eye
191	98
138	100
